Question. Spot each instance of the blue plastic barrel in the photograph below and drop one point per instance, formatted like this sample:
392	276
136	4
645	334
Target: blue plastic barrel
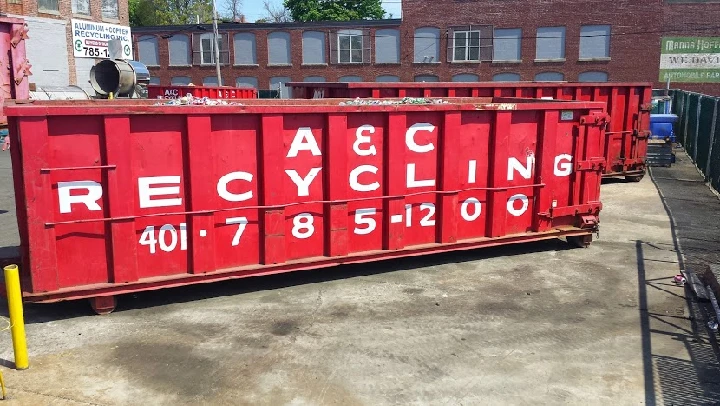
661	126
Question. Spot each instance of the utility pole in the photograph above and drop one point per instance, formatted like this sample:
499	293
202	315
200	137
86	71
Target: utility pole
216	36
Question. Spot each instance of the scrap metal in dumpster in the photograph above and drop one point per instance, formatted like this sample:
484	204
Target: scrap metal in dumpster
122	196
628	104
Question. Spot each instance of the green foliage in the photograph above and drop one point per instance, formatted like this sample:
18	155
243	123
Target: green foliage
168	12
335	10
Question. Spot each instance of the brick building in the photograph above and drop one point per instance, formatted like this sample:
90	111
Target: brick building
441	40
50	44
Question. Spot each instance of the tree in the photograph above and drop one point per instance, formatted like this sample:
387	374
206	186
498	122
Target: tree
168	12
334	10
234	9
276	14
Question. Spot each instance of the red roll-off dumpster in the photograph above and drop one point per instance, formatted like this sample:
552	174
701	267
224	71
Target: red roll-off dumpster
122	196
627	103
213	92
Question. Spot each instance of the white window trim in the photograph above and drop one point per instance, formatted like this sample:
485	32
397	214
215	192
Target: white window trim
212	44
467	46
362	47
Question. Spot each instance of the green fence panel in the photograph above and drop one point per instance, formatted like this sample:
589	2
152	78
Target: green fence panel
691	125
705	129
713	168
678	107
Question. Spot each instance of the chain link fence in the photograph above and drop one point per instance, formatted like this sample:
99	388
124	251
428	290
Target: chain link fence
698	131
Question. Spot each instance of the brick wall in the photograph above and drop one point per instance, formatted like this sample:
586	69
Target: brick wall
636	31
263	72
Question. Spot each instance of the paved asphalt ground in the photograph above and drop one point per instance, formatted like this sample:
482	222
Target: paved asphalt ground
530	324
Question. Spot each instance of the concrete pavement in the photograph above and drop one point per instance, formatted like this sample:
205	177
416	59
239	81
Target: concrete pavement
531	324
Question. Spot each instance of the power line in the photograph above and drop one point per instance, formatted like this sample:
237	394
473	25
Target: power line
445	35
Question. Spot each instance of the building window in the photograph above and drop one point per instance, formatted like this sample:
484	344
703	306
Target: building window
466	46
593	76
470	44
81	7
204	49
426	78
278	83
154	81
147	47
387	46
387	78
506	77
48	5
506	44
180	81
110	9
549	77
179	50
210	81
245	48
314	79
427	45
466	77
594	42
349	78
246	81
313	48
279	48
550	44
350	46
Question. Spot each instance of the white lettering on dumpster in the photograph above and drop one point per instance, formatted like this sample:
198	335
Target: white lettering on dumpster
364	139
233	197
563	165
237	186
89	199
304	141
146	191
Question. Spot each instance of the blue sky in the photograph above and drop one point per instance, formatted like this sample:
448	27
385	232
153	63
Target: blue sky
253	9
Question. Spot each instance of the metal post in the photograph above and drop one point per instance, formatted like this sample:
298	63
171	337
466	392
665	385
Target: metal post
697	129
712	140
15	308
217	46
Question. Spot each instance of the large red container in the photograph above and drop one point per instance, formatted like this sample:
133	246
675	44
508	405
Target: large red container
213	92
116	197
15	68
628	104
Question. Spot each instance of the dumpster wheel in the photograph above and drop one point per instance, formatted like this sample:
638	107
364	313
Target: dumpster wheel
103	304
634	178
580	241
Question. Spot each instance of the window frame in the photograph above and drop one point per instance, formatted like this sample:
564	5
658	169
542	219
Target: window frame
188	56
209	35
75	12
425	34
519	39
607	44
351	34
110	17
323	57
253	48
467	45
563	47
56	10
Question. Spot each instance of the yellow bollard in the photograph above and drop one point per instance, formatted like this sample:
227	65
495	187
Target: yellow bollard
15	308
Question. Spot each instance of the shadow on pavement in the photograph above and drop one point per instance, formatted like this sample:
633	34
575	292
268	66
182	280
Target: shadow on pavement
693	213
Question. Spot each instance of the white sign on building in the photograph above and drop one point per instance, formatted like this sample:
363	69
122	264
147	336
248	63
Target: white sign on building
91	39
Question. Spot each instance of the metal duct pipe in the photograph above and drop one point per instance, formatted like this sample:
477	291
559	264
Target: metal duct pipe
119	77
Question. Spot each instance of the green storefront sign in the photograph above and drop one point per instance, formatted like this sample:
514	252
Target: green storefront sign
690	59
